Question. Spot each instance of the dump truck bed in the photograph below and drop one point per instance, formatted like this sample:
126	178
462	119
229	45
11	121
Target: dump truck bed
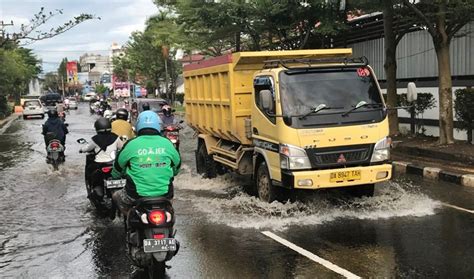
218	91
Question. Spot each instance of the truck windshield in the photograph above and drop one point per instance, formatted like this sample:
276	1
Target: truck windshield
339	89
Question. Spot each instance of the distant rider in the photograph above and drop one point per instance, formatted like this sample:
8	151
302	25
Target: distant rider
146	106
54	128
168	116
121	127
103	146
149	162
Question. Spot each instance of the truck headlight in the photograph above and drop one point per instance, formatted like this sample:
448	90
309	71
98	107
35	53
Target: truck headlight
381	150
293	158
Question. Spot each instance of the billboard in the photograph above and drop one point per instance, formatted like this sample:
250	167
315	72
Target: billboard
71	70
121	88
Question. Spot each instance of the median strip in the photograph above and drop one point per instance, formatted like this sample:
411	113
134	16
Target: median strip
311	256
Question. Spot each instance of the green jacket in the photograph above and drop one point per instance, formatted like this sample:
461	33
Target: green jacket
149	162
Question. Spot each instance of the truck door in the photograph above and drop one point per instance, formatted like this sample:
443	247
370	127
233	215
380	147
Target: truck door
264	130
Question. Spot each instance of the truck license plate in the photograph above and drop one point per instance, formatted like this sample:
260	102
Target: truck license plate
159	245
345	176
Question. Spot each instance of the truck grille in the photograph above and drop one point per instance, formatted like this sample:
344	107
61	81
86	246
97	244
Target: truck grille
340	156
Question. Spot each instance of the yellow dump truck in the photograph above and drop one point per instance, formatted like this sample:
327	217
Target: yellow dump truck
302	119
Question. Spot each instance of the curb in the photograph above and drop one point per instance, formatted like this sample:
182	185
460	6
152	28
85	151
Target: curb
416	151
400	167
7	121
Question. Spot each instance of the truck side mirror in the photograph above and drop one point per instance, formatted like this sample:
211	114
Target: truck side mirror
411	92
266	100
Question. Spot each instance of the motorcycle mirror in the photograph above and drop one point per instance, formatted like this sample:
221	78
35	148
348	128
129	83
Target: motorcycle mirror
81	141
173	110
66	124
182	121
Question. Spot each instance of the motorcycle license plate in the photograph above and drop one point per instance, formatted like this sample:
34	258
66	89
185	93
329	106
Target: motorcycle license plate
115	183
159	245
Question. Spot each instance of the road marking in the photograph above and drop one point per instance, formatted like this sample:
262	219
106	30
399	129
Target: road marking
311	256
458	208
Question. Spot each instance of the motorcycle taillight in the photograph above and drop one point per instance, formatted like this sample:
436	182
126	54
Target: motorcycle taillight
158	236
157	217
54	145
106	169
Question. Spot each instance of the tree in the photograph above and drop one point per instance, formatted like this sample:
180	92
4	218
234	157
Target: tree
62	74
32	32
443	19
51	82
216	27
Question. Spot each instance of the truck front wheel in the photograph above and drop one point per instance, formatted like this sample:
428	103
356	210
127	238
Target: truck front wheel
266	191
205	165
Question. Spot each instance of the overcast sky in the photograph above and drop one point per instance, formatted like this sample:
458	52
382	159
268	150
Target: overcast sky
118	19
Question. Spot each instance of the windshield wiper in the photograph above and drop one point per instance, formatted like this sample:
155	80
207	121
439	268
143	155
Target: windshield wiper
317	109
362	104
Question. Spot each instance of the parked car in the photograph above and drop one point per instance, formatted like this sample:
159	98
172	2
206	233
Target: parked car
33	108
89	96
72	103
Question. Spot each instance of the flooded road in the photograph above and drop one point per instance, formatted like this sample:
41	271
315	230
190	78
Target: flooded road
50	231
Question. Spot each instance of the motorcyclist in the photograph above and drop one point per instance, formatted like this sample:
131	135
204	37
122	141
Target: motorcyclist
121	127
66	104
102	147
54	128
149	162
104	105
167	117
146	106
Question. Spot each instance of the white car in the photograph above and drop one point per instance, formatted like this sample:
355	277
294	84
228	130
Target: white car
89	96
72	103
33	108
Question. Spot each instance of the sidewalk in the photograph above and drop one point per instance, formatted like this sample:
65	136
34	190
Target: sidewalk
6	121
423	156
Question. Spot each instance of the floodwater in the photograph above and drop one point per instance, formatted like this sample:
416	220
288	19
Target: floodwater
49	230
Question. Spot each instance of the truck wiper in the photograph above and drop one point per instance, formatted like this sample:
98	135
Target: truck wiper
362	104
317	109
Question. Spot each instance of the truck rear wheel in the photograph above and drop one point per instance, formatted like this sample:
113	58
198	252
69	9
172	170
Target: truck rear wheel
265	189
205	165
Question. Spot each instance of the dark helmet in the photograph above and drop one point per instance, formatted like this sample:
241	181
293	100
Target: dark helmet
122	114
146	106
102	125
166	110
52	113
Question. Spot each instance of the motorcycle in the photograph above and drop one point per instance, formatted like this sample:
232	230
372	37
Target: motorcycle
100	186
55	153
171	132
150	235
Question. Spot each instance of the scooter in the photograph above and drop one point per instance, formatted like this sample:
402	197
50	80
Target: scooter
150	235
55	153
100	186
172	133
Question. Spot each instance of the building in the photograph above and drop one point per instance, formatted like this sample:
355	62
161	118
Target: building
416	62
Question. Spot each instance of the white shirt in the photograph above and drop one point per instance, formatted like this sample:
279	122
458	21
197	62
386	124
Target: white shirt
101	155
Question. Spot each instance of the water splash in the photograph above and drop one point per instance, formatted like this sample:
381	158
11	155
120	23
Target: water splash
239	210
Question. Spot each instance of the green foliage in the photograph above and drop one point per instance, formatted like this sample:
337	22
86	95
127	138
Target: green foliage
19	66
147	53
51	82
215	27
423	102
100	89
463	106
